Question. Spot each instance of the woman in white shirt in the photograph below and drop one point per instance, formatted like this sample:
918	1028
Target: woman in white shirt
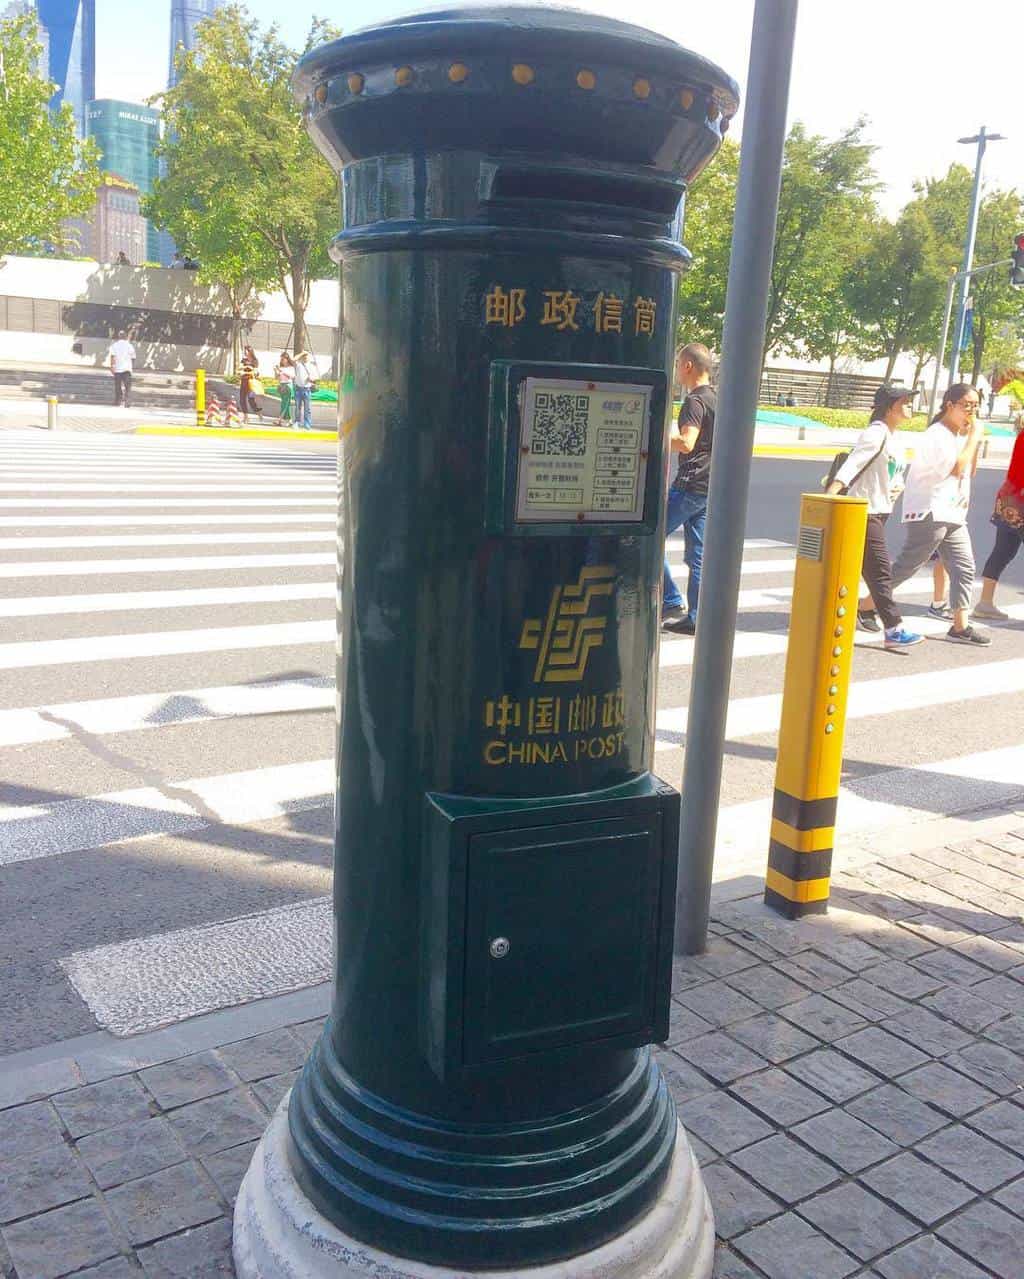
874	471
935	505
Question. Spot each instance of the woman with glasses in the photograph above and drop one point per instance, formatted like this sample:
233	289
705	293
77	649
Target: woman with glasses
935	505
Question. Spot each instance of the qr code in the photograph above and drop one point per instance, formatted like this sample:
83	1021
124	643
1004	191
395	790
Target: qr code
560	424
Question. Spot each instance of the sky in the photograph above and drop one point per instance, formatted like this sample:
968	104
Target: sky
923	72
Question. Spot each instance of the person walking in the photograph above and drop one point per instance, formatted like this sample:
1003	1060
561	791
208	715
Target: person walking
248	384
874	470
688	494
122	358
285	374
305	379
935	505
1008	517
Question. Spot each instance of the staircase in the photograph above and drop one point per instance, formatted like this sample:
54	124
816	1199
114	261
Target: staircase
73	384
848	390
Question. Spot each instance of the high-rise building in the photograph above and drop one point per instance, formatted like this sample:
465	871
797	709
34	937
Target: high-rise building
18	9
116	224
185	17
71	27
127	135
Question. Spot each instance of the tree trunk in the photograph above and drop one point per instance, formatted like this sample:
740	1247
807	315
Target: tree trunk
894	355
830	384
922	360
299	298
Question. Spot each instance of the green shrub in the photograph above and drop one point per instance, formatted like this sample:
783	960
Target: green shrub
842	419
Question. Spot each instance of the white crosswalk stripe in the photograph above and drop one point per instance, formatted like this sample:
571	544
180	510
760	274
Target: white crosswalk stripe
184	487
108	648
293	538
163	751
125	503
75	825
143	521
105	716
151	601
179	564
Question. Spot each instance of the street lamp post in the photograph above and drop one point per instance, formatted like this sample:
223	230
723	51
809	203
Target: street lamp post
981	139
757	205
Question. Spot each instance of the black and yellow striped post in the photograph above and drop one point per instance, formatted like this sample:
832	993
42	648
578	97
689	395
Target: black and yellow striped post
200	397
830	547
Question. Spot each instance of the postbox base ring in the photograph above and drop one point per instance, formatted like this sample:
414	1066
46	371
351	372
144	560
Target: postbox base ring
524	1193
279	1233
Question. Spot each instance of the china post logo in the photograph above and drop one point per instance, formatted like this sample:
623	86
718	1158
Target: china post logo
573	628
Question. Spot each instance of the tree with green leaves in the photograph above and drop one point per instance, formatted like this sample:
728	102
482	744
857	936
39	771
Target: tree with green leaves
208	226
707	233
826	198
47	174
245	189
897	286
825	183
998	309
826	326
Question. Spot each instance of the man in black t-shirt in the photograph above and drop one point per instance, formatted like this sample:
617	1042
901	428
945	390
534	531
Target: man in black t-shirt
688	492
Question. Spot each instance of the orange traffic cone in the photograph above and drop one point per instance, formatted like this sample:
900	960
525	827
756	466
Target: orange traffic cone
231	414
213	411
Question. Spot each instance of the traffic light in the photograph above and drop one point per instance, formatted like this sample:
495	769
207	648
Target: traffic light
1017	270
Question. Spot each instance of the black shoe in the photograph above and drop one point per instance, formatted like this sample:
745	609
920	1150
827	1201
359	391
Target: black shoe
867	620
674	613
968	636
681	626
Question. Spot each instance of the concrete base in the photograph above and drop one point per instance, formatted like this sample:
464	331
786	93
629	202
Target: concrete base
280	1235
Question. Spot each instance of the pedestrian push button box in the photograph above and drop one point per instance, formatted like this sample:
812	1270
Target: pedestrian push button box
549	925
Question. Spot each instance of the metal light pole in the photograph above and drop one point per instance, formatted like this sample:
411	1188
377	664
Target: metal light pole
746	312
982	139
941	352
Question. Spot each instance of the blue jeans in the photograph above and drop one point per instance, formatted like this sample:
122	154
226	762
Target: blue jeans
687	511
303	407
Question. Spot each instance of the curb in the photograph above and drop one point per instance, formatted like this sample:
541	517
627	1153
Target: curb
59	1066
240	433
786	450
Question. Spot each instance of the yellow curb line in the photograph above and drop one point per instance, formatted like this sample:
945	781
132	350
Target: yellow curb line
241	433
784	450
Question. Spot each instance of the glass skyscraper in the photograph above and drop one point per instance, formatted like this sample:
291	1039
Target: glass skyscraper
18	9
71	29
185	16
127	135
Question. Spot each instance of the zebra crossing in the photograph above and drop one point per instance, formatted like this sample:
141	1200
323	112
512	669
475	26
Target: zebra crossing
167	708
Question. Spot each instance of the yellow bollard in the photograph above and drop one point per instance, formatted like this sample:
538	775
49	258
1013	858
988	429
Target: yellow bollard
819	659
52	410
200	397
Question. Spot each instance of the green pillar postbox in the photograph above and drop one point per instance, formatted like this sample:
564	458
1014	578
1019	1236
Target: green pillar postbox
483	1096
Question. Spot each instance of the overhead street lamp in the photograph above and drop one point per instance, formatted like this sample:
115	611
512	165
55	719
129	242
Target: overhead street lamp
981	139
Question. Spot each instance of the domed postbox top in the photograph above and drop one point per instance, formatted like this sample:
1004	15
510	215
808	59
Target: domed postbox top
555	82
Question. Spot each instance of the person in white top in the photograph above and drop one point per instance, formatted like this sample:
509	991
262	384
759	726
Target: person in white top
874	470
935	505
305	378
121	357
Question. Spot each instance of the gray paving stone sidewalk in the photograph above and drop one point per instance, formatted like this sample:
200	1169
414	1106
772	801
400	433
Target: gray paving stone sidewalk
853	1085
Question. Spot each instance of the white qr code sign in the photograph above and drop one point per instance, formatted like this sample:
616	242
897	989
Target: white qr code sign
583	450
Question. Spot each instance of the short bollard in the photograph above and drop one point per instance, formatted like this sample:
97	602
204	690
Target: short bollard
830	547
52	413
483	1097
200	397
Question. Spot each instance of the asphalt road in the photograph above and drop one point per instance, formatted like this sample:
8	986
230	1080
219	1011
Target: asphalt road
166	712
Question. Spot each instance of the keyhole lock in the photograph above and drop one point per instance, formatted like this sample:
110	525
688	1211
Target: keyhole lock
500	947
